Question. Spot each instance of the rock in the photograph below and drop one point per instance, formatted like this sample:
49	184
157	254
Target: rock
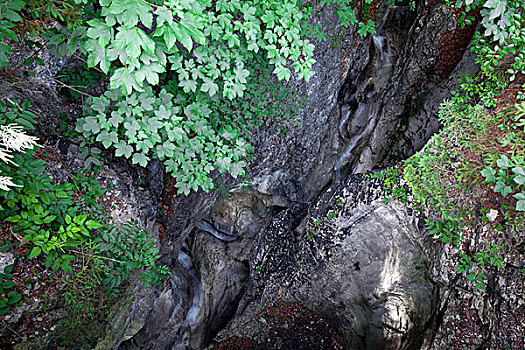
363	270
6	259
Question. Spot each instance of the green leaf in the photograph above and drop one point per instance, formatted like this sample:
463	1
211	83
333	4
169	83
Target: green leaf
93	225
163	16
188	85
210	87
15	218
140	158
133	41
100	31
182	35
238	169
521	201
36	251
502	188
9	268
8	284
520	175
489	174
14	297
124	79
149	72
504	162
107	139
130	11
123	149
115	119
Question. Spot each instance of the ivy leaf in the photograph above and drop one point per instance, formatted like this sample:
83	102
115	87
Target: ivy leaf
165	150
149	72
489	174
153	125
520	175
282	73
99	104
188	85
502	188
238	169
241	74
521	201
107	139
162	113
176	134
146	102
115	119
91	124
141	159
209	86
123	149
504	162
223	164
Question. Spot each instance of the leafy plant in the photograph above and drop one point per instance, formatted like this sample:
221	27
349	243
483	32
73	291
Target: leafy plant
480	89
10	297
446	231
508	178
503	35
12	137
146	124
77	79
391	183
128	249
8	16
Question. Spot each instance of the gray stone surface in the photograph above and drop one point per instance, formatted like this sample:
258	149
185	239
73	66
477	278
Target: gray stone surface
6	259
363	269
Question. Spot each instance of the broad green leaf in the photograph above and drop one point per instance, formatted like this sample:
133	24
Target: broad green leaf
150	73
123	149
182	35
188	85
130	11
107	139
140	158
489	174
521	201
98	55
133	41
210	87
122	78
36	251
504	162
502	188
93	225
100	31
14	297
115	119
238	169
163	16
90	124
